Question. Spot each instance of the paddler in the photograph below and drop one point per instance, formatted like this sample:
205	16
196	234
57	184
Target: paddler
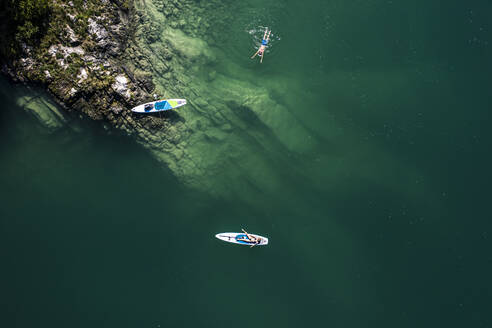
250	239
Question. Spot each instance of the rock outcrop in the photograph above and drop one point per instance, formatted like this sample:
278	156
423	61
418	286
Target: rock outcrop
79	60
106	57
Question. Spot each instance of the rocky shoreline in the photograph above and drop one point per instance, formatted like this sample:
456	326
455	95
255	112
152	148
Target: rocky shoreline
80	61
101	58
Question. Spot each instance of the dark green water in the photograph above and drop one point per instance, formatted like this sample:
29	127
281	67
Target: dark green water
374	192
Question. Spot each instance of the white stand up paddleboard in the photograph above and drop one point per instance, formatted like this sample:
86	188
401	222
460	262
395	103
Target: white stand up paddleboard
159	106
235	238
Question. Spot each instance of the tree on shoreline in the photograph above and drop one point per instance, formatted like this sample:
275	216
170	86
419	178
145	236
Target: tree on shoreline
22	22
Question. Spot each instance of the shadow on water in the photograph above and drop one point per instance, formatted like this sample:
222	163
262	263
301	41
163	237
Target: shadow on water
246	114
255	125
7	103
169	115
261	135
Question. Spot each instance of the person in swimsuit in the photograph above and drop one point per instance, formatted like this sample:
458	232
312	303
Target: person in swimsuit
251	239
264	42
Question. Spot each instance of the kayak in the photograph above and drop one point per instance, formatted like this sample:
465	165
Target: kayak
234	238
159	106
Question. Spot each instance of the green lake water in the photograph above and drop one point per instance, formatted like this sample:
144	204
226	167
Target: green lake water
360	147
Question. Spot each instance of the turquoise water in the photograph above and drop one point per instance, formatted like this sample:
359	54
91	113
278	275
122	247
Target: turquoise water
360	147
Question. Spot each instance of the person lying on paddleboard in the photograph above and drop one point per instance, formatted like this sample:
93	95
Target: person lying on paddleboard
250	239
264	42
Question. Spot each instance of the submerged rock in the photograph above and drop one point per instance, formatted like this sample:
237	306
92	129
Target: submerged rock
37	104
122	57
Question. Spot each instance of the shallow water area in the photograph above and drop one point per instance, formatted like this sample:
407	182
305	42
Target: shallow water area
360	148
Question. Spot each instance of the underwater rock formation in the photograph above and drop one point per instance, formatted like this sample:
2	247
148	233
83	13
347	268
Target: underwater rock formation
103	58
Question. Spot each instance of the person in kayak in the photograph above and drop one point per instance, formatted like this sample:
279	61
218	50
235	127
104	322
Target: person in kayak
250	239
264	42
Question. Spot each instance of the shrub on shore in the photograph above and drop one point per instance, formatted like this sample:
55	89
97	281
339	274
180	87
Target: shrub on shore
22	22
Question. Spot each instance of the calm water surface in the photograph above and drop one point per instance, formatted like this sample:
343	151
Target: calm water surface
376	201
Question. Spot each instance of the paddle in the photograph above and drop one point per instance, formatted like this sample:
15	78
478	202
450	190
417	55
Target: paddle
254	239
